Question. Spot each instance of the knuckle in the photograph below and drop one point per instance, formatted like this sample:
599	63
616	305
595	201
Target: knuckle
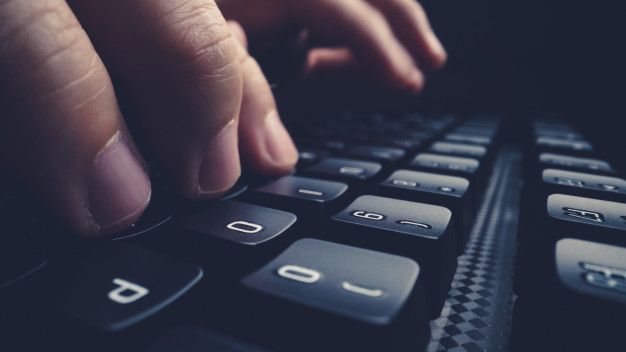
35	25
412	6
44	43
203	43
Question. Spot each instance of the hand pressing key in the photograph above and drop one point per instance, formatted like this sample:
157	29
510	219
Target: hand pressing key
199	98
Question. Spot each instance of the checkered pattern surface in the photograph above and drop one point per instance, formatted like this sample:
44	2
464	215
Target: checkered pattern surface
477	313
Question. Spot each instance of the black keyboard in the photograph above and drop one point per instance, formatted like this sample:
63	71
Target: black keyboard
395	232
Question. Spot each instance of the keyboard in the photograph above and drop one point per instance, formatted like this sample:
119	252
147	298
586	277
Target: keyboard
395	232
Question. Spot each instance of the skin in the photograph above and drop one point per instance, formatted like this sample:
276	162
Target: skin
201	101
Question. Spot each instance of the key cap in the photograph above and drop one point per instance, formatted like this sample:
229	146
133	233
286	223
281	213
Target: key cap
578	147
350	298
120	286
608	215
566	162
376	153
330	145
422	232
407	144
467	168
304	195
451	192
447	164
310	156
231	229
582	184
195	339
565	216
239	222
489	132
456	149
592	269
469	139
344	169
568	135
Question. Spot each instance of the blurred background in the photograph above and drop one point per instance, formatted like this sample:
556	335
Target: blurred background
521	58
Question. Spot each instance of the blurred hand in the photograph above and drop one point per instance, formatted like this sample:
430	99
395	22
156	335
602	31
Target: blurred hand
390	39
199	98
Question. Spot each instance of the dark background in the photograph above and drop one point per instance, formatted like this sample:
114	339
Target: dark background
521	58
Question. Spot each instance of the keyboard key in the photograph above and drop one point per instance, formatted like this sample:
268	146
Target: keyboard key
564	145
451	192
569	135
120	286
344	169
611	215
592	269
483	131
576	163
407	144
330	145
239	222
469	139
310	156
456	149
419	231
231	229
372	291
582	184
301	194
194	339
382	154
456	165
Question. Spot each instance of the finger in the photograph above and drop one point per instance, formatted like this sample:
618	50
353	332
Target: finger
178	62
265	144
62	131
330	60
366	31
411	25
239	33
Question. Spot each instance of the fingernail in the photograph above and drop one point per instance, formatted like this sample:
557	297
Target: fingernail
220	166
278	143
118	186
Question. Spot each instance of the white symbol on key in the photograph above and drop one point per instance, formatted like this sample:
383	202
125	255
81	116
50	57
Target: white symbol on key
360	290
245	227
126	292
300	274
413	223
369	216
310	192
404	183
351	170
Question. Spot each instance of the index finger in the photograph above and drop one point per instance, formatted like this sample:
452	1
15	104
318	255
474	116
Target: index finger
366	31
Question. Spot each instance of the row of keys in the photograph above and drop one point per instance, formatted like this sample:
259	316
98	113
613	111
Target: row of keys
572	242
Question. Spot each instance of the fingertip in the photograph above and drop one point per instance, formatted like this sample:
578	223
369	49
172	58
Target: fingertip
438	54
220	168
282	154
416	81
